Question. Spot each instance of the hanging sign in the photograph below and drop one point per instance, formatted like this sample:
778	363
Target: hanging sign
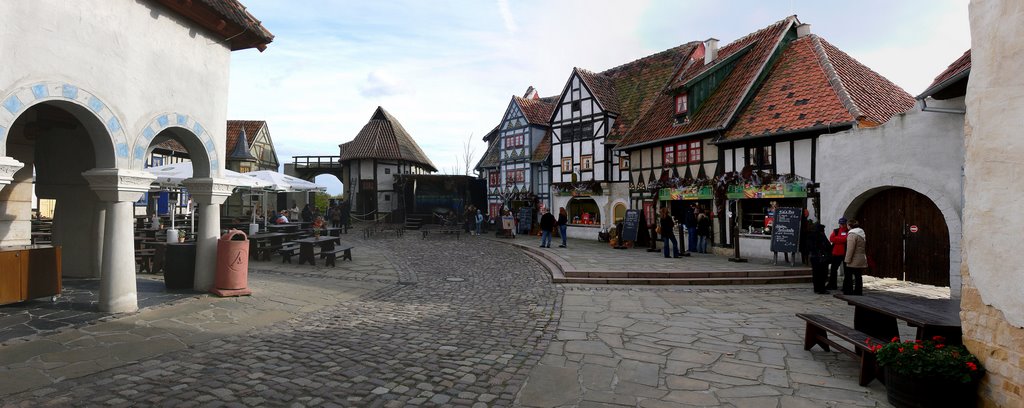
913	228
686	193
772	190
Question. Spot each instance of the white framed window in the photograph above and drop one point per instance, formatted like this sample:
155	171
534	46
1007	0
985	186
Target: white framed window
682	104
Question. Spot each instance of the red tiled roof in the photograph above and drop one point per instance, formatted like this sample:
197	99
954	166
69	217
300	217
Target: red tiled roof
639	83
719	107
543	150
244	31
172	145
491	157
602	87
953	73
875	98
383	137
252	128
537	111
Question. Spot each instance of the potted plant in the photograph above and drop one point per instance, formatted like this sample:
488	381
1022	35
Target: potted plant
181	236
928	373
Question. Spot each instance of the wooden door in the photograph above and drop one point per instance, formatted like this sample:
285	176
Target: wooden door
10	277
922	256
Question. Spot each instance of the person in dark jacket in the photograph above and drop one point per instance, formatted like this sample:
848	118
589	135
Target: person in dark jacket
547	224
820	252
703	232
307	213
690	221
666	225
563	224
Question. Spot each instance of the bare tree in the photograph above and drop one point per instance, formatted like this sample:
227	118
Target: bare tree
468	151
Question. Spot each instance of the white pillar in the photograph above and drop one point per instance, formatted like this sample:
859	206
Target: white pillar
209	193
118	189
8	166
99	224
117	284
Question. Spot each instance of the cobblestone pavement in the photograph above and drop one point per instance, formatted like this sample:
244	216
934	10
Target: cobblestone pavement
460	324
75	307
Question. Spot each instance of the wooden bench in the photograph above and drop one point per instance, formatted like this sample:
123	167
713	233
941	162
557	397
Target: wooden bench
818	328
144	257
287	252
332	254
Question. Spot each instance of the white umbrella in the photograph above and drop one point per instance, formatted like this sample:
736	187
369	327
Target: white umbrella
172	175
282	182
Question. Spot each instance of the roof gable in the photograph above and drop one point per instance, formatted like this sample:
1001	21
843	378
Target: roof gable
383	137
537	111
954	73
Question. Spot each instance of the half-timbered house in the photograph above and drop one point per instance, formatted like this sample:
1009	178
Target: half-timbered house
381	150
593	113
522	143
250	148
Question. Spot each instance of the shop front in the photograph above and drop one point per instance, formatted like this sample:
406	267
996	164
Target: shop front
586	206
753	206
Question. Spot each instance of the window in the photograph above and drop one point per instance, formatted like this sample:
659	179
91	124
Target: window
669	156
387	170
514	141
681	104
387	197
761	158
567	165
695	152
495	210
583	211
581	131
575	106
623	163
493	178
244	167
587	162
515	176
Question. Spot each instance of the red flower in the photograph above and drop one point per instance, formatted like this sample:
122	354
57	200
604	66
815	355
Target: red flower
940	345
972	366
917	341
939	339
900	349
895	339
917	347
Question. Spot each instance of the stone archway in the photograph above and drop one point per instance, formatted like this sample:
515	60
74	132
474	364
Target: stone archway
186	130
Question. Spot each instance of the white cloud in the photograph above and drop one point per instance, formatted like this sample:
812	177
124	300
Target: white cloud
378	84
507	17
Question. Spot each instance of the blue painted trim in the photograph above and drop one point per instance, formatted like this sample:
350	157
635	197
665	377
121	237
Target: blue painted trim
148	133
95	104
140	152
163	121
69	91
13	104
122	149
182	120
198	129
40	91
113	126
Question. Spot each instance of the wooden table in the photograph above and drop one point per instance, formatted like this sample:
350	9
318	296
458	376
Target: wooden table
265	240
290	227
306	247
876	315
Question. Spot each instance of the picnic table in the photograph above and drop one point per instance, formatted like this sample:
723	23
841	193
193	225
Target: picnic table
876	314
306	247
265	243
289	227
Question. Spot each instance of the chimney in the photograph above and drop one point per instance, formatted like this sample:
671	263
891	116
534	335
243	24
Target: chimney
803	30
531	93
710	50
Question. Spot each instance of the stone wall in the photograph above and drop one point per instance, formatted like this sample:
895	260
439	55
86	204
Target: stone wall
992	308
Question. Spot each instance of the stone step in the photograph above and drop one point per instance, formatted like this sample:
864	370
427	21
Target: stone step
688	274
770	280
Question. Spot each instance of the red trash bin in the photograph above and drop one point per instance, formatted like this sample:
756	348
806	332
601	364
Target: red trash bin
232	278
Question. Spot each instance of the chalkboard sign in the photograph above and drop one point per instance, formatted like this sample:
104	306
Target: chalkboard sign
525	220
630	225
786	229
508	223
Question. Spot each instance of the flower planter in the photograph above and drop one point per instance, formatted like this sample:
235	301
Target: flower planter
912	391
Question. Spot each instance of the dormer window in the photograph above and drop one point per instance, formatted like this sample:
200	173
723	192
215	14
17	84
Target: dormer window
682	105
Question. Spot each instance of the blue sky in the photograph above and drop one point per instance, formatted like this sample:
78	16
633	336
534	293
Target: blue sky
447	69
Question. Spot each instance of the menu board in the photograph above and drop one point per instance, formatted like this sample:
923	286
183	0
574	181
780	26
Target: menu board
525	220
630	225
786	229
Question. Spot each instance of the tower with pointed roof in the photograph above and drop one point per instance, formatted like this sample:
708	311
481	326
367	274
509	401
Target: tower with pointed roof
370	161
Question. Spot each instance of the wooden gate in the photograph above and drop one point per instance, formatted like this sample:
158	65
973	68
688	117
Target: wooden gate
888	219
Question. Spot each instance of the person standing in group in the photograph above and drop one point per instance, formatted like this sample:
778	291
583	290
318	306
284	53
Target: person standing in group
819	250
856	260
838	240
479	222
690	221
703	231
547	224
665	226
563	225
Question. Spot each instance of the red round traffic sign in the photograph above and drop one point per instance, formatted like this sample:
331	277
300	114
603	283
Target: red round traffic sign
913	228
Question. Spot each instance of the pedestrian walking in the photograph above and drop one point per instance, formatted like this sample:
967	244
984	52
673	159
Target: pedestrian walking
479	222
856	260
665	227
563	225
690	221
547	224
703	232
820	253
838	240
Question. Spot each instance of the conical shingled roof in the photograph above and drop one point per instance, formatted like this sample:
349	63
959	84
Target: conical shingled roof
241	150
383	137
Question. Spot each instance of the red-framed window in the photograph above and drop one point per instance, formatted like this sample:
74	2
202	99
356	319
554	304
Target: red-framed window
514	141
669	155
495	210
695	152
682	104
515	176
494	178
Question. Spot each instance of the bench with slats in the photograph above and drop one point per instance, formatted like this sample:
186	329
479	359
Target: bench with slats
287	252
332	254
144	257
818	329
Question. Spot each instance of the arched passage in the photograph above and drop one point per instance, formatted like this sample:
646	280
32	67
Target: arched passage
908	237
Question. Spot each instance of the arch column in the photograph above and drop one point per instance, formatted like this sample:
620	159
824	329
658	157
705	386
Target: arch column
209	193
118	189
8	166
